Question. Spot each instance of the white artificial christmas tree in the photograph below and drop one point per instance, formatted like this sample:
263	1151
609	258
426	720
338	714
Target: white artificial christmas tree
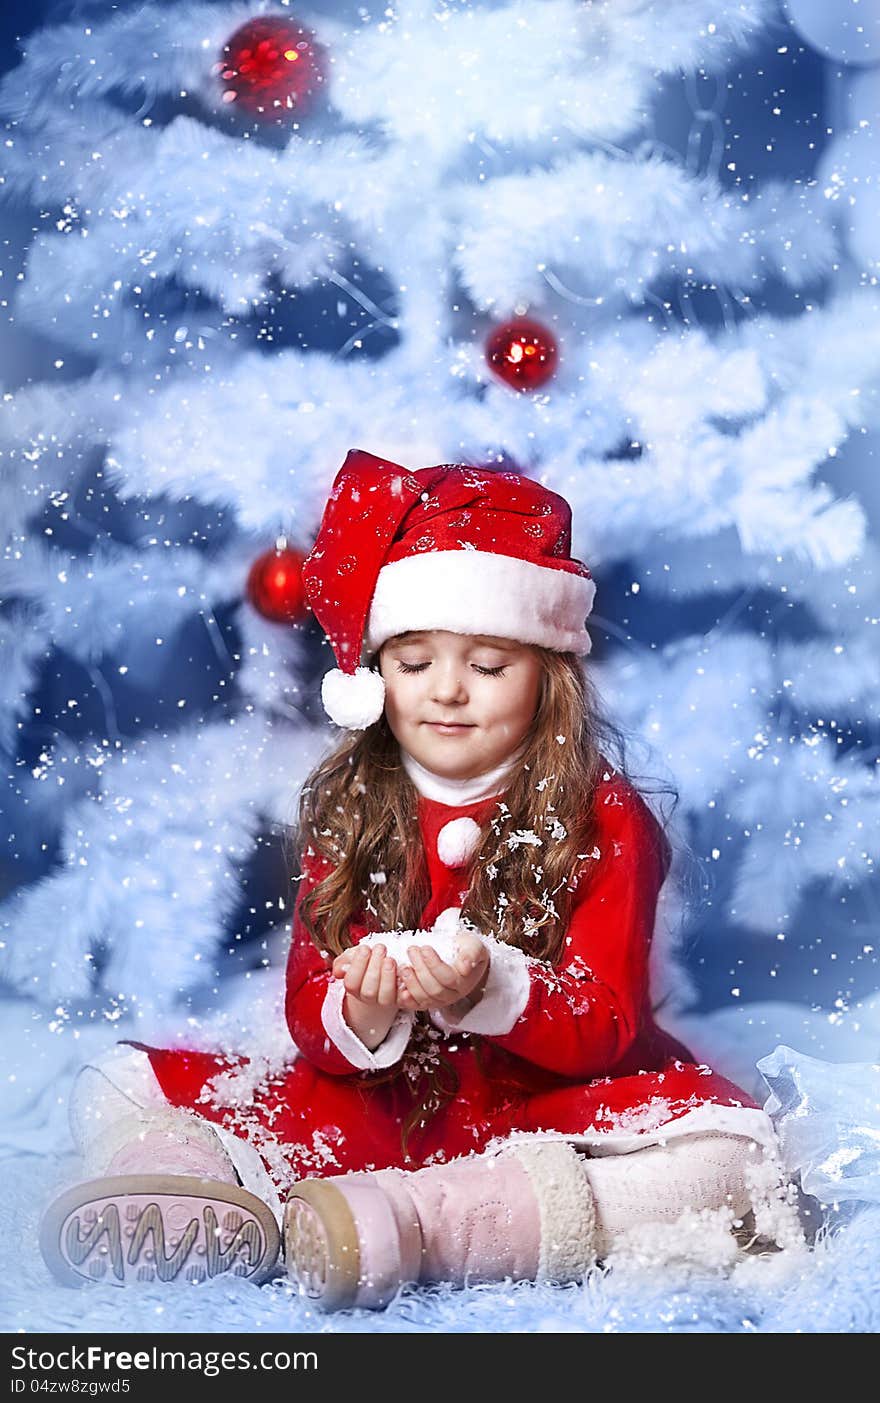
479	162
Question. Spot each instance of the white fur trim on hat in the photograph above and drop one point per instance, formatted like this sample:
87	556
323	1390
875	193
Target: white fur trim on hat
475	591
457	841
353	700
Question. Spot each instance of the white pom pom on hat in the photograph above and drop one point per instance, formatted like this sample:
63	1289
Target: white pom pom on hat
457	548
353	699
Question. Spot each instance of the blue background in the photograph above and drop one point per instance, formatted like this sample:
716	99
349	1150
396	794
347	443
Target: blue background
810	94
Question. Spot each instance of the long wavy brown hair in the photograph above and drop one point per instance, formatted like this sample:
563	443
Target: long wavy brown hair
358	809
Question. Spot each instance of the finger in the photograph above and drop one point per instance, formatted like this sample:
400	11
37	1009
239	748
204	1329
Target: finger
466	964
352	981
373	974
446	973
475	957
415	990
387	996
355	954
405	999
470	948
356	969
409	981
428	972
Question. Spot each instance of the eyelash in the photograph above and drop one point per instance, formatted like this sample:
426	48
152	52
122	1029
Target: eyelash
484	671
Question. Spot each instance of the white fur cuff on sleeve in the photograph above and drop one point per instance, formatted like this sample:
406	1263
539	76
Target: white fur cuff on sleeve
504	998
385	1055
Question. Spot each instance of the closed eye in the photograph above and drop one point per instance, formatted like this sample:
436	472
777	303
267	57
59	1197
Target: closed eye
484	671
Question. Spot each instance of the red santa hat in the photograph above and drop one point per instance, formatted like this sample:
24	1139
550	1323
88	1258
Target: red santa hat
464	549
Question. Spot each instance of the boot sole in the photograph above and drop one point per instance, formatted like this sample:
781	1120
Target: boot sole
321	1244
118	1230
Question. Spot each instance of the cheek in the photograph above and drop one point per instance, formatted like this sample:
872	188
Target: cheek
527	699
399	696
515	706
390	692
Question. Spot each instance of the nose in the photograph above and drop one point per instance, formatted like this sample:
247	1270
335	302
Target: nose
449	683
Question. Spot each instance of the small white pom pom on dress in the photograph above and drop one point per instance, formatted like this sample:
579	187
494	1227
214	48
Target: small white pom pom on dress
457	841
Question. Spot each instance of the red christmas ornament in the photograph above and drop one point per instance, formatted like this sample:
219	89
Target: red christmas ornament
271	66
522	353
275	586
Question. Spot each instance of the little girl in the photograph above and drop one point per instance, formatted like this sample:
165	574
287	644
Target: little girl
480	1090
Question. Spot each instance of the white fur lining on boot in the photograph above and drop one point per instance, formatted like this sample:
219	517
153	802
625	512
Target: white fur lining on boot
566	1207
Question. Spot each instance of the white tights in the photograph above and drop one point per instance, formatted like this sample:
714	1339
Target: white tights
658	1184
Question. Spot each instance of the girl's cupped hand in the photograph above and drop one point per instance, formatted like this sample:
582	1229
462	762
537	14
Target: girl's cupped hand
432	983
371	976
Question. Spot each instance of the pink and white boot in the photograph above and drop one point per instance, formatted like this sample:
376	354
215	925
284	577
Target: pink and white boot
534	1210
525	1213
160	1202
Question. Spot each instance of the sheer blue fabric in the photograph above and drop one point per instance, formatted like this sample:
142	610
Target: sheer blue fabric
827	1117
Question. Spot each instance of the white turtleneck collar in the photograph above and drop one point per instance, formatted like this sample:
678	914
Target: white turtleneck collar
456	792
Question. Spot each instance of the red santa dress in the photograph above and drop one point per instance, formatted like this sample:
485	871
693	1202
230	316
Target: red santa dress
567	1050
